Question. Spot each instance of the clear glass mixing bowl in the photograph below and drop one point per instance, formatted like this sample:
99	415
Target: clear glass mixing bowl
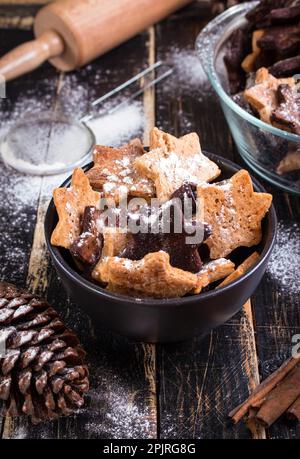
261	145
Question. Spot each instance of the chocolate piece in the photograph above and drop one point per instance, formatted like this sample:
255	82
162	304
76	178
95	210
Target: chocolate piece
285	41
259	16
240	100
287	114
187	191
239	45
87	248
285	15
286	67
167	230
89	220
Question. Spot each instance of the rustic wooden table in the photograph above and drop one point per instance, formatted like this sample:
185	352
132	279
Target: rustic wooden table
141	390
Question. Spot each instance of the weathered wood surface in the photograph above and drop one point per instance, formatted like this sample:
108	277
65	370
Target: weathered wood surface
181	390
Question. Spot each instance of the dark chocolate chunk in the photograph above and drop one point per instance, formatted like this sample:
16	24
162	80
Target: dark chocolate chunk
238	47
89	220
286	67
240	100
187	194
87	248
259	16
166	229
287	114
284	41
286	15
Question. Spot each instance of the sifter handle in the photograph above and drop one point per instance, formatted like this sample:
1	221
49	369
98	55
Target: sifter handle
30	55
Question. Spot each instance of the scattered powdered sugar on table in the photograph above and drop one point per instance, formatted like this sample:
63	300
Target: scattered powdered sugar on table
120	126
189	76
284	263
112	408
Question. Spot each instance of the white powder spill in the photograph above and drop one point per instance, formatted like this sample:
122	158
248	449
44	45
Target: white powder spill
113	411
189	76
284	264
119	127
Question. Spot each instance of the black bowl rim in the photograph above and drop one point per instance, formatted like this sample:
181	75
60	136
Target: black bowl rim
86	284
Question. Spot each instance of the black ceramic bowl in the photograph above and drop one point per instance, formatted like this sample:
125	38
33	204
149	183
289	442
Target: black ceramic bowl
159	320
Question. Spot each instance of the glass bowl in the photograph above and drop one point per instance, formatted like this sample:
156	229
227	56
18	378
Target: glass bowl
262	146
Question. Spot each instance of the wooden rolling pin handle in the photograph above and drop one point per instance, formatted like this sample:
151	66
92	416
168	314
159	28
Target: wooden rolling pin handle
30	55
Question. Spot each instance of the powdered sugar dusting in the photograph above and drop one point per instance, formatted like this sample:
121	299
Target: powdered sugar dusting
284	264
119	127
189	74
122	417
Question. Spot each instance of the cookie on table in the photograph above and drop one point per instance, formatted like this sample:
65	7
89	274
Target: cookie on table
70	204
114	172
172	162
234	211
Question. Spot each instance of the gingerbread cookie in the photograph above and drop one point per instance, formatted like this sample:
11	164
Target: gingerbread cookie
152	276
262	96
115	174
175	161
234	211
212	272
70	204
241	269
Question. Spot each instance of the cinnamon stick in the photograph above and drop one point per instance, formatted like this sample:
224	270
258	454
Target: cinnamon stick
280	398
293	412
261	391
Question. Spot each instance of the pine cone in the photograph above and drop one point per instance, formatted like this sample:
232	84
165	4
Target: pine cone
41	372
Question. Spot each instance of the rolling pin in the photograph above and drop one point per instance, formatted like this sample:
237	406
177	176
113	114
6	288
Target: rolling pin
71	33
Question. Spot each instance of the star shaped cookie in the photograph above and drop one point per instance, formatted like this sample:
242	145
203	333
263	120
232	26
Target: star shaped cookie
172	162
234	211
115	174
70	204
262	96
152	276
